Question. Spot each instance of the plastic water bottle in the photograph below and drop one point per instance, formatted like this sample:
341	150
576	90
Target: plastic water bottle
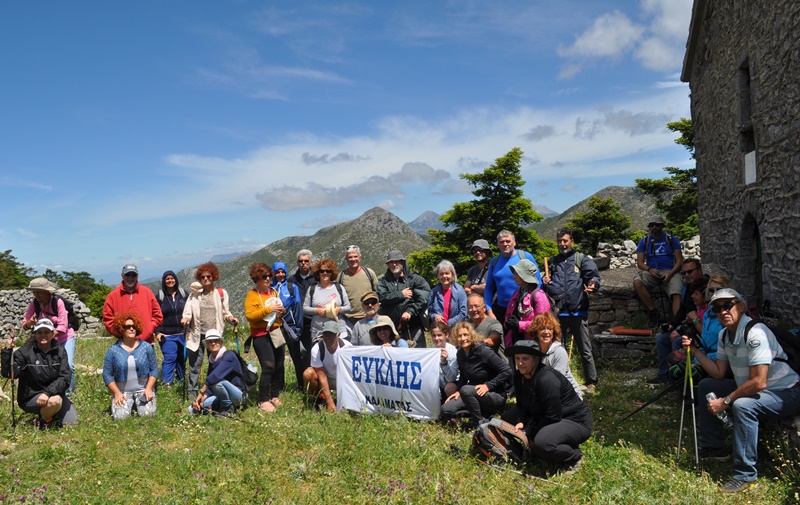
723	414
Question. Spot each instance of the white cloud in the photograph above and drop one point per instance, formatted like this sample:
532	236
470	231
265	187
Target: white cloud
610	35
27	233
16	182
570	187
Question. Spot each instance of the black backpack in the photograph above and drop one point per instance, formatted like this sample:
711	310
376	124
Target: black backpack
497	439
788	340
249	376
322	348
72	320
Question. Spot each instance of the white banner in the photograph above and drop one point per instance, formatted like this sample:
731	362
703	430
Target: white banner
388	380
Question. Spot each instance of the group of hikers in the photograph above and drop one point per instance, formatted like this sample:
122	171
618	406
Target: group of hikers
499	335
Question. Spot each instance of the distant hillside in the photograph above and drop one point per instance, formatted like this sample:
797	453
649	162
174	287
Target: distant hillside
426	220
635	204
544	210
219	258
375	232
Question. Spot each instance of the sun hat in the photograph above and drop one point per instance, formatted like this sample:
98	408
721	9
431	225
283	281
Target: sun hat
395	255
41	284
527	271
370	295
213	334
726	294
383	322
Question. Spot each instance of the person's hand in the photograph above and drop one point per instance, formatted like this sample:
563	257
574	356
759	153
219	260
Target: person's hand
454	396
185	320
686	342
438	318
160	337
233	320
119	399
481	389
387	344
148	394
691	316
10	343
407	293
406	316
444	356
41	400
590	287
512	323
279	309
669	276
545	279
320	311
519	426
468	290
27	325
337	310
331	406
197	405
717	406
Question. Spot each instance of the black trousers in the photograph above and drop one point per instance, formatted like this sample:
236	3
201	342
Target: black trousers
271	360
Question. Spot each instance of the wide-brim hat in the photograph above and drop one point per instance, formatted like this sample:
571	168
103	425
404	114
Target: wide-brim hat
527	271
41	284
525	347
383	322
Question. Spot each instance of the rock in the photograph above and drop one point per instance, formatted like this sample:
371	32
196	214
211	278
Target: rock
630	245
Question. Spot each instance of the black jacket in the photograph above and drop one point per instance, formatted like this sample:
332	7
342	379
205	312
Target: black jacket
567	282
393	304
484	366
38	372
547	398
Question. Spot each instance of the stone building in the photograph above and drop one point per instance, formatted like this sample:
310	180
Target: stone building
742	64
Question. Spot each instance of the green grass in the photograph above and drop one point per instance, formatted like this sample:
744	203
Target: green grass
297	455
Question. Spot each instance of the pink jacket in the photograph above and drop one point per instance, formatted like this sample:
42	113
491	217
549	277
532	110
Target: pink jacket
527	311
60	320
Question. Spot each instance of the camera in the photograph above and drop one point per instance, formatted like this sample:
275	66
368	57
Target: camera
690	331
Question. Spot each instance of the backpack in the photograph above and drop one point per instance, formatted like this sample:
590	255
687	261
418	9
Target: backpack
72	320
366	271
322	348
788	340
311	294
497	439
249	372
182	291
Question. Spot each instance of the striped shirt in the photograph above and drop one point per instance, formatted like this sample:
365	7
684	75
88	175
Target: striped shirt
760	348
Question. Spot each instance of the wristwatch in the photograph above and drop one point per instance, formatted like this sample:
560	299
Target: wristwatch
727	401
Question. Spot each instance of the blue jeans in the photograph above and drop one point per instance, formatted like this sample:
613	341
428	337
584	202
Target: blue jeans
664	347
174	351
223	395
747	412
69	346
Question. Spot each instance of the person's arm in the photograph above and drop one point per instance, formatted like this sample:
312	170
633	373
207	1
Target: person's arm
308	310
325	387
488	290
459	301
641	264
226	311
346	306
448	366
186	317
590	274
108	377
297	311
752	386
60	384
254	310
548	394
421	291
108	312
62	319
717	369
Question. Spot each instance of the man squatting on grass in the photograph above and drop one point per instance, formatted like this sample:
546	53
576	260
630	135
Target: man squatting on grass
764	387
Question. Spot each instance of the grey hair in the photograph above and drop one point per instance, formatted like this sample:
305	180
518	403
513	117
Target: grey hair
505	233
445	265
305	252
352	248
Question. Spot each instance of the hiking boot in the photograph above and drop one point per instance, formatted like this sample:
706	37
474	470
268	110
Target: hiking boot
736	485
714	453
229	412
571	469
652	318
590	389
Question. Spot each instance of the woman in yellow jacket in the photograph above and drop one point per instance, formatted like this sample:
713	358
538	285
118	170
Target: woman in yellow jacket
264	310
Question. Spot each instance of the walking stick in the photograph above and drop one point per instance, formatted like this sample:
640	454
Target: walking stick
688	381
13	391
185	371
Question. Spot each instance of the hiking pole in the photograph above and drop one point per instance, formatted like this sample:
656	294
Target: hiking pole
185	371
663	300
667	390
13	390
694	414
687	374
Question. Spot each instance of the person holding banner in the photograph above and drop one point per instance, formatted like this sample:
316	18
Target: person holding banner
448	366
553	417
320	378
384	333
485	380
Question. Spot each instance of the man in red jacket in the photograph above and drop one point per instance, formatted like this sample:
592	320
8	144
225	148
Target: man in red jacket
130	296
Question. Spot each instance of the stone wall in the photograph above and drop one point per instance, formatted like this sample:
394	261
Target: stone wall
13	304
624	255
743	66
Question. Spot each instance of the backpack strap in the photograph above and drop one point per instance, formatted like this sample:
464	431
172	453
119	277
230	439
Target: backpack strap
371	278
322	348
221	294
160	296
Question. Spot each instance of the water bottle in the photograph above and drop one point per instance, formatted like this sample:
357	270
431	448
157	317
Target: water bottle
723	414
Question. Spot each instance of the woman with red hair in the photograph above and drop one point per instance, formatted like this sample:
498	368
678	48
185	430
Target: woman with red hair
205	309
130	369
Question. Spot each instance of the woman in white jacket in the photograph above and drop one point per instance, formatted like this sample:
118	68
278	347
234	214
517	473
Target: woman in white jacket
206	308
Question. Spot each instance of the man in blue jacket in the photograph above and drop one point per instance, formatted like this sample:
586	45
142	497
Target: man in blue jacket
571	278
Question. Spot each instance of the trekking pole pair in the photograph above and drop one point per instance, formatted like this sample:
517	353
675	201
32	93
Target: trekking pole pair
688	381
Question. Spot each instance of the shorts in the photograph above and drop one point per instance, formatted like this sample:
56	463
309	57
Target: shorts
674	285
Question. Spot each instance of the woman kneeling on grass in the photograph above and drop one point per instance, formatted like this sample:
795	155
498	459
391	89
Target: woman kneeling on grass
224	380
44	374
130	369
485	379
553	417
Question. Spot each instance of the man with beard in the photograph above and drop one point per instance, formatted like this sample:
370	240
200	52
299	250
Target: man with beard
572	277
476	276
659	259
356	280
370	306
130	296
404	298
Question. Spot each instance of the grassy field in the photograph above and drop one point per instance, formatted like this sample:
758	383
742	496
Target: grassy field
297	455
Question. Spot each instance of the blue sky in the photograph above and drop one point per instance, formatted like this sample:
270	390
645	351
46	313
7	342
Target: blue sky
166	132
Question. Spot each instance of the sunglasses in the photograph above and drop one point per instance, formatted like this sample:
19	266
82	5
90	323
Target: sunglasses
687	272
713	290
324	271
265	277
206	277
727	306
129	326
370	302
304	261
131	274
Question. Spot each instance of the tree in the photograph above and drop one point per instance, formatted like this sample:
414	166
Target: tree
676	195
13	274
603	223
499	204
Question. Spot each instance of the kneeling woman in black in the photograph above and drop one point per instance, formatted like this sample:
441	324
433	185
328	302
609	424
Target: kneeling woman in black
552	416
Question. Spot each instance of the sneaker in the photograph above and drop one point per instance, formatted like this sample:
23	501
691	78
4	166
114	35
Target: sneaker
590	389
714	453
736	485
652	318
571	469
